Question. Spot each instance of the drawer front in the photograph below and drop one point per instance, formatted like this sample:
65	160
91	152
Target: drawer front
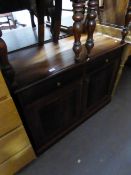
105	59
18	161
9	118
3	88
12	143
47	86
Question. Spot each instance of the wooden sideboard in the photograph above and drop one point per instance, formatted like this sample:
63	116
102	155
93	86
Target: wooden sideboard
15	148
54	93
56	89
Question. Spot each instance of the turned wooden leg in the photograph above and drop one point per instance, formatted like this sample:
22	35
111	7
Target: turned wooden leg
91	24
41	28
32	18
56	21
40	32
127	21
78	8
40	15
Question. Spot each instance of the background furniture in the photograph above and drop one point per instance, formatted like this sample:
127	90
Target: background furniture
9	17
42	8
114	12
15	148
119	20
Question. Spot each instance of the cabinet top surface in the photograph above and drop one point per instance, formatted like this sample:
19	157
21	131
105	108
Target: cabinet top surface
34	64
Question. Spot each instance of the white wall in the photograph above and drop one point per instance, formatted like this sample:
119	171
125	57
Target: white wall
68	5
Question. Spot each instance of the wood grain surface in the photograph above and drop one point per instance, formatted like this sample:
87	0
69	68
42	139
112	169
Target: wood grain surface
17	161
3	88
9	118
114	11
12	143
36	63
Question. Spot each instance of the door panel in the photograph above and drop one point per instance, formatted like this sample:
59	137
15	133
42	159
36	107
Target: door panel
98	83
48	117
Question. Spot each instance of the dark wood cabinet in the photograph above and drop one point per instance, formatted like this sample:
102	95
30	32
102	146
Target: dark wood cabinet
51	115
52	104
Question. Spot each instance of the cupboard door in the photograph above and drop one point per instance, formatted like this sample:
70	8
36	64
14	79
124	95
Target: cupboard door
98	85
51	115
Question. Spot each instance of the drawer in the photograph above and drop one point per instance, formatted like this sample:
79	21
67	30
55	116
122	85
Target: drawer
50	85
3	88
9	118
12	143
18	161
104	60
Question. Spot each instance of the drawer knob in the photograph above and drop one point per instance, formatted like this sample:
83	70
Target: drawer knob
107	60
88	59
58	84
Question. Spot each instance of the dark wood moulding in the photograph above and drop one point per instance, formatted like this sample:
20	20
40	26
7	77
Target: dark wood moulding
78	8
91	24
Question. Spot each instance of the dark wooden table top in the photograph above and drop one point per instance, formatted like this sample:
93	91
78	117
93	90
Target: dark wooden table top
34	64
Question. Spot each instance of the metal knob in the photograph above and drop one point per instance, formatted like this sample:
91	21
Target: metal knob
58	84
88	59
107	60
